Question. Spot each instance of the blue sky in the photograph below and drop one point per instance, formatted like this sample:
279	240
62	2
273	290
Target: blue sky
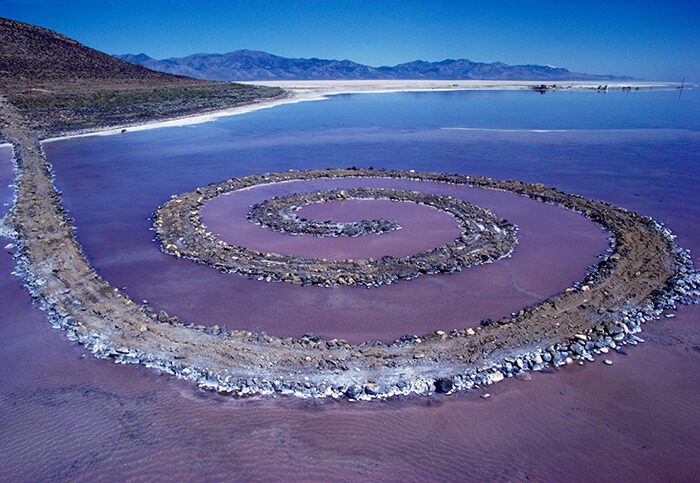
654	40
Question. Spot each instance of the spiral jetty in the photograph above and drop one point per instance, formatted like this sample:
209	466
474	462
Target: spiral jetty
643	274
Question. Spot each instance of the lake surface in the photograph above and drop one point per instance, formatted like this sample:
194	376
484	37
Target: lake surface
77	418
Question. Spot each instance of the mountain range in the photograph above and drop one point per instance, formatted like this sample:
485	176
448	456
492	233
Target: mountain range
252	65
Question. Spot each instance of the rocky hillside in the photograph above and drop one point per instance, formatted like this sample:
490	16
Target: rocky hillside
250	65
35	56
61	85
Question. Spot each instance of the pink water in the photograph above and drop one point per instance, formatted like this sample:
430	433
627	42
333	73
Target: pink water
67	418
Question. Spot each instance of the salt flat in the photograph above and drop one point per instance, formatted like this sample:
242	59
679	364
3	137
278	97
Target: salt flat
382	85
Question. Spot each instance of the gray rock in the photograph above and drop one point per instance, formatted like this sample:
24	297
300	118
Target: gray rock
353	392
372	388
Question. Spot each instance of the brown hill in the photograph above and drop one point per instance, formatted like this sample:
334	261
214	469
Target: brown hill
32	56
60	85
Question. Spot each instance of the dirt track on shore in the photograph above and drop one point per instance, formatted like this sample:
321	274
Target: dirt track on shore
644	273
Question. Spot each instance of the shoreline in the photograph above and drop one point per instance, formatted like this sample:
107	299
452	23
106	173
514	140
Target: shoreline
308	91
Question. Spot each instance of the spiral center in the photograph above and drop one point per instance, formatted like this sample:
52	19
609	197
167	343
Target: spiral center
483	237
281	214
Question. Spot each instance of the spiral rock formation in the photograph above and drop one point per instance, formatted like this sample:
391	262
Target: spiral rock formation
483	238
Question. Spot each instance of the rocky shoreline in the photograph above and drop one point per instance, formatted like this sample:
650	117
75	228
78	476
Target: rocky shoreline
181	232
642	275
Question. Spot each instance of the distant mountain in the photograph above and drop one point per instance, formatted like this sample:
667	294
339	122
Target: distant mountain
251	65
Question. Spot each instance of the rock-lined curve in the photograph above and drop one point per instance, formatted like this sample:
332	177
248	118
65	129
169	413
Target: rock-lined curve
483	238
643	274
280	214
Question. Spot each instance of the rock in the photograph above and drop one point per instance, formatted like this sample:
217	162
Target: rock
163	316
443	385
497	376
372	388
403	385
312	337
353	392
485	395
608	362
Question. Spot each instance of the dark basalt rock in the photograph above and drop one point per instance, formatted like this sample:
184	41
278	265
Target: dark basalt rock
443	385
372	389
353	392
